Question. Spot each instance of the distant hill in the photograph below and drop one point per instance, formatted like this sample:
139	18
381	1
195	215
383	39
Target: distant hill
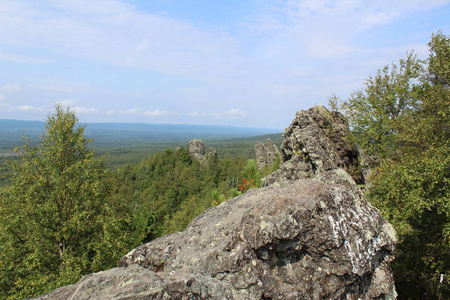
108	132
11	132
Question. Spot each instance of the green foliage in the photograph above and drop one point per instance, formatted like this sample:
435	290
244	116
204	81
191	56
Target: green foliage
5	173
217	198
251	177
60	217
412	193
403	115
118	153
438	61
169	189
373	111
273	167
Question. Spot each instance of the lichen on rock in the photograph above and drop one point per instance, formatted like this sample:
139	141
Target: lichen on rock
314	143
300	240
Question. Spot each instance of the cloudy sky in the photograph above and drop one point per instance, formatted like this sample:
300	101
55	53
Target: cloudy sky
250	63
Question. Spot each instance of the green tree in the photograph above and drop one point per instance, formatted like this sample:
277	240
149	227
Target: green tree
60	217
404	117
251	177
373	111
169	189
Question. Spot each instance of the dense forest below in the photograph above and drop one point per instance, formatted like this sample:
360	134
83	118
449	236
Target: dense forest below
118	153
125	143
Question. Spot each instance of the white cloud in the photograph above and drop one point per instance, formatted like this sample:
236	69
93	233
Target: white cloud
67	102
9	104
154	113
236	112
360	14
140	112
21	59
328	28
115	32
25	108
230	114
74	105
133	111
60	85
11	88
85	110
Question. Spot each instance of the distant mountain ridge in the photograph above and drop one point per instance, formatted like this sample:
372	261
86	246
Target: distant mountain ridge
11	131
20	124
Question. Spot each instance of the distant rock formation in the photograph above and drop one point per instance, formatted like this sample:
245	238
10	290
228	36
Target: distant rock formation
266	153
314	143
301	240
196	149
212	152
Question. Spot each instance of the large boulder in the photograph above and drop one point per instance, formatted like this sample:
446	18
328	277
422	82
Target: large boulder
314	143
292	240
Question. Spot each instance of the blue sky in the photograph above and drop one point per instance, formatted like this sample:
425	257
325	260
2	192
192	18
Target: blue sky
243	63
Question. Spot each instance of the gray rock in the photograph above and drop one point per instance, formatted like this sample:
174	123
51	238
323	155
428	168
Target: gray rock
212	152
136	282
293	240
314	143
196	150
266	153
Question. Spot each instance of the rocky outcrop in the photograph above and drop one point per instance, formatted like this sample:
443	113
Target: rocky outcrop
266	153
298	238
292	240
212	152
196	150
314	143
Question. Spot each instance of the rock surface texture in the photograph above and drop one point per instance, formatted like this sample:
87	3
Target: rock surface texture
266	153
300	240
314	143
